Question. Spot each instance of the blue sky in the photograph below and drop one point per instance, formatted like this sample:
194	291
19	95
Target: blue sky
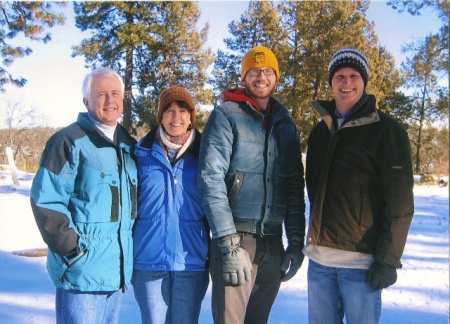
54	77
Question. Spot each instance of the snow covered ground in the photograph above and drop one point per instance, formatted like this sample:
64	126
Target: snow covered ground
421	294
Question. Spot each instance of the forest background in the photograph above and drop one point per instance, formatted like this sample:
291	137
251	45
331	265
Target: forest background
157	44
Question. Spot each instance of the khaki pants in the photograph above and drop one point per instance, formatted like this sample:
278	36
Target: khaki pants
251	302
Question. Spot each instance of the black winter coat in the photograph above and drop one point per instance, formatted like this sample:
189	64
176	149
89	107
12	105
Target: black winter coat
359	180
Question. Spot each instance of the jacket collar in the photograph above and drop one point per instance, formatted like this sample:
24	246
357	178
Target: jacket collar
122	134
364	115
148	140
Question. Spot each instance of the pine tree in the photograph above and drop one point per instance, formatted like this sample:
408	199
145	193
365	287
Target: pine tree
304	35
152	44
441	7
421	74
258	25
30	18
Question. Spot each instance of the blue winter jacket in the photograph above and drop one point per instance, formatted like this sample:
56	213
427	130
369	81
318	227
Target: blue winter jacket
251	172
171	232
84	201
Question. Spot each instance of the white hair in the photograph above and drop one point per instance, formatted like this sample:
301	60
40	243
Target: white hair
86	89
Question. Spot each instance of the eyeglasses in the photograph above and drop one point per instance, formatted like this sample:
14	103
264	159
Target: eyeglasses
255	72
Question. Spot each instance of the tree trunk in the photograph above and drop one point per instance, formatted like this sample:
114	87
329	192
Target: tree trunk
419	136
128	83
128	87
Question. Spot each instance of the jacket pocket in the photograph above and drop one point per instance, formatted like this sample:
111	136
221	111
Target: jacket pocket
67	276
236	187
115	204
96	198
132	184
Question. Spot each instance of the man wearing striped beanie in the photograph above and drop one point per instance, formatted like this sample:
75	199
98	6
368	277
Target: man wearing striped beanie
359	181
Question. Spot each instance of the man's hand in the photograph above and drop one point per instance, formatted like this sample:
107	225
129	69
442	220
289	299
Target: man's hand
292	260
236	264
381	276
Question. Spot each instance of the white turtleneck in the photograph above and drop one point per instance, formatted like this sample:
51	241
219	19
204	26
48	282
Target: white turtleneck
108	131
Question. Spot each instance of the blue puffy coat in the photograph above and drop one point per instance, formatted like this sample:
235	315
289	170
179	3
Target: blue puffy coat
251	175
171	232
84	195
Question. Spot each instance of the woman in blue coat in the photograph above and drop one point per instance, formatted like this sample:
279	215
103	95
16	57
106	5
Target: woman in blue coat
171	234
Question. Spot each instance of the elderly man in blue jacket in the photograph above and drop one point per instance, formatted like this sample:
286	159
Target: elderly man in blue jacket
84	201
251	184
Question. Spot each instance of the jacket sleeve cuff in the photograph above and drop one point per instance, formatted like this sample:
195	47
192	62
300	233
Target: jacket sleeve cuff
388	260
74	255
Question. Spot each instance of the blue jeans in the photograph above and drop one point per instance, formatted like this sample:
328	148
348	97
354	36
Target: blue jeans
170	296
73	307
335	292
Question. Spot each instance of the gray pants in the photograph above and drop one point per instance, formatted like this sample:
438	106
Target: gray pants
251	302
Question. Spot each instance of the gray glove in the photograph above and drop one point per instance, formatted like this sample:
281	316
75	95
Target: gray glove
236	264
292	260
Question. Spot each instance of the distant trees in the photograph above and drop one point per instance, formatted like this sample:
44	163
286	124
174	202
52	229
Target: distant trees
423	73
153	44
21	125
441	7
26	153
428	97
156	44
29	18
304	35
258	25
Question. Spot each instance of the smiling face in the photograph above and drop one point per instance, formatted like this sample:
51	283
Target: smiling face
176	119
260	86
105	101
348	88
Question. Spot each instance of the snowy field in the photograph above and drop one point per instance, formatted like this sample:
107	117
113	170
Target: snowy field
421	294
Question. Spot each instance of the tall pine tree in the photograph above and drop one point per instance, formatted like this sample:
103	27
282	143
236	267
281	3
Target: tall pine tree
30	18
152	44
258	25
422	78
304	35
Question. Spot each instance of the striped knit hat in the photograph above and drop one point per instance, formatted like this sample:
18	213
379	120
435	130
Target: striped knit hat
349	57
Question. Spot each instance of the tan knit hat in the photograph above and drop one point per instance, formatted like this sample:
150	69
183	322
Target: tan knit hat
175	93
258	57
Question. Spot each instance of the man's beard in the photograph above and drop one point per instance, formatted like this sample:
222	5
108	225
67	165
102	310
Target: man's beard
252	94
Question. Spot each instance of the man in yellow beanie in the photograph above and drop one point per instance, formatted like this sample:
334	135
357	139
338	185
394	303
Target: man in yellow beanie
251	183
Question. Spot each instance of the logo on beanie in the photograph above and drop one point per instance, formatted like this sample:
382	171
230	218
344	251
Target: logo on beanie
259	57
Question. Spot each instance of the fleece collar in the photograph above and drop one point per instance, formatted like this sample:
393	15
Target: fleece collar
240	95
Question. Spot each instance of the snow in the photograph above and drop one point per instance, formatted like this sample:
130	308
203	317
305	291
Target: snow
420	295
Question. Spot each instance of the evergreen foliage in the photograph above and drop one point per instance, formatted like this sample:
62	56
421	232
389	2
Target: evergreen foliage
304	35
428	96
27	18
422	73
156	44
152	44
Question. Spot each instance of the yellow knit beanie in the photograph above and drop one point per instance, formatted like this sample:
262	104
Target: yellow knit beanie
259	57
